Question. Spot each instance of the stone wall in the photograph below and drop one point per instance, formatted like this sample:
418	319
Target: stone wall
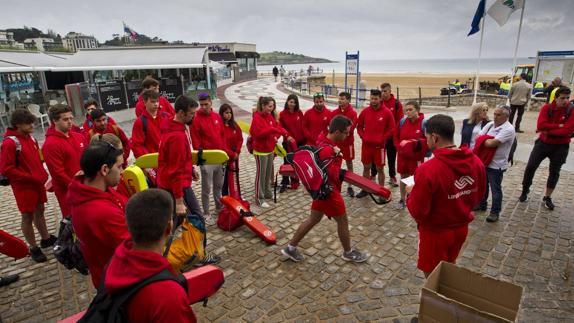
466	100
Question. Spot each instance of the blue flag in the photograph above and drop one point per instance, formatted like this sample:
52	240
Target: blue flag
478	15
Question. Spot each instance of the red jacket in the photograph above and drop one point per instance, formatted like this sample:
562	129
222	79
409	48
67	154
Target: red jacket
99	222
164	105
292	122
485	154
207	131
233	140
391	103
352	115
147	142
62	156
89	123
175	161
411	131
447	188
114	129
265	131
26	169
375	126
315	123
555	130
334	168
162	301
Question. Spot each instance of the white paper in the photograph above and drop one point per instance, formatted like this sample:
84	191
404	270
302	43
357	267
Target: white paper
409	181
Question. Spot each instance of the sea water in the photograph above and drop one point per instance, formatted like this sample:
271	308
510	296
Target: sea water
412	66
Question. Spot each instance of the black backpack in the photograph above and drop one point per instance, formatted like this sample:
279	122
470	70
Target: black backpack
106	308
67	248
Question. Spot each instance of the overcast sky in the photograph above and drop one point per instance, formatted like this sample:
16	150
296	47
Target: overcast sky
379	29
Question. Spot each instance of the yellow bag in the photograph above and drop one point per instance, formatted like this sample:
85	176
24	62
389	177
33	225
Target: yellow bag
189	249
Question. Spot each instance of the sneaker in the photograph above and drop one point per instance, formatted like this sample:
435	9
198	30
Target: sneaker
283	188
209	259
355	256
519	131
37	255
393	181
361	194
548	203
400	205
264	204
209	220
524	196
383	200
7	280
492	217
479	208
48	242
294	254
350	191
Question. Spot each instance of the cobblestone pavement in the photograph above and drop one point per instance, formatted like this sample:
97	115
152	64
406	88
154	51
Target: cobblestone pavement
529	246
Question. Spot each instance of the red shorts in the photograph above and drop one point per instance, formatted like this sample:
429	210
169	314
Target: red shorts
28	198
370	154
333	206
348	151
407	166
61	195
439	244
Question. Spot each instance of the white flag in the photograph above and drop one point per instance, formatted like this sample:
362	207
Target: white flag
501	10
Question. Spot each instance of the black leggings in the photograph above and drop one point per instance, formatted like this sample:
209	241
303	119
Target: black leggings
557	155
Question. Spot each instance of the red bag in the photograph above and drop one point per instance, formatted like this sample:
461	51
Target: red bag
229	220
311	171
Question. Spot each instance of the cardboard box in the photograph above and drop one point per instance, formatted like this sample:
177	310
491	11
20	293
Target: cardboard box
455	294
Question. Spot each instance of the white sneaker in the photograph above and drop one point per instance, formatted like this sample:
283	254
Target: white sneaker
209	220
264	204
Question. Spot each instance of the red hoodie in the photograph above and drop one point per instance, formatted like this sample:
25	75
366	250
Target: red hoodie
162	301
147	142
265	131
207	131
175	161
233	140
411	131
315	123
447	187
350	113
164	105
334	168
26	169
555	130
391	103
99	222
114	129
62	156
89	123
292	122
375	126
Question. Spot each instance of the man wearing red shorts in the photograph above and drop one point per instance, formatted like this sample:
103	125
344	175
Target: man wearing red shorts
347	146
374	125
333	206
446	189
21	163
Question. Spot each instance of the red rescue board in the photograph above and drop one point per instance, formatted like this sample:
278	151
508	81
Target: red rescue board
12	246
203	282
249	220
351	178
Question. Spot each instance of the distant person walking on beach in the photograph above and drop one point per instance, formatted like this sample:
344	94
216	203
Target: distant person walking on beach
556	126
309	70
519	96
275	72
334	205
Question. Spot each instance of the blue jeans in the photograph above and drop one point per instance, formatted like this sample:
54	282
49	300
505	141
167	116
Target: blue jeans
494	177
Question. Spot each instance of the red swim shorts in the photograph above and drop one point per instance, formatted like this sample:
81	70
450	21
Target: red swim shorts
28	198
348	151
333	206
370	154
439	244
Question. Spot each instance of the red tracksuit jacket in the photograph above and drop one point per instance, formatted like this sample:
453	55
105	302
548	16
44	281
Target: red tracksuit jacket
447	188
410	130
375	126
556	130
99	222
162	301
164	105
117	131
292	122
265	131
315	123
233	140
352	115
175	161
334	168
28	171
147	142
62	156
89	123
207	131
398	113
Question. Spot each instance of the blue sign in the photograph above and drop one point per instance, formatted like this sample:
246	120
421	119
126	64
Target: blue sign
557	53
352	56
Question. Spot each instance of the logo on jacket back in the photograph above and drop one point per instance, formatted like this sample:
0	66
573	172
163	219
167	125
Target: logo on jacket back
463	182
309	170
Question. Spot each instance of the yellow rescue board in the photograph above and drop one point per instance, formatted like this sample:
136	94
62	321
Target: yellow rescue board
212	157
279	150
135	179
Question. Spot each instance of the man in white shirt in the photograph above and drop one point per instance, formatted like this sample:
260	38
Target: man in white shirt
503	132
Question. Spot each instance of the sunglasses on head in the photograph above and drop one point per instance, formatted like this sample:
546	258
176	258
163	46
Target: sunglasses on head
318	95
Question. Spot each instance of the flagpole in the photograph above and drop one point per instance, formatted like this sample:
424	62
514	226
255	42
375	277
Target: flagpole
516	50
476	76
